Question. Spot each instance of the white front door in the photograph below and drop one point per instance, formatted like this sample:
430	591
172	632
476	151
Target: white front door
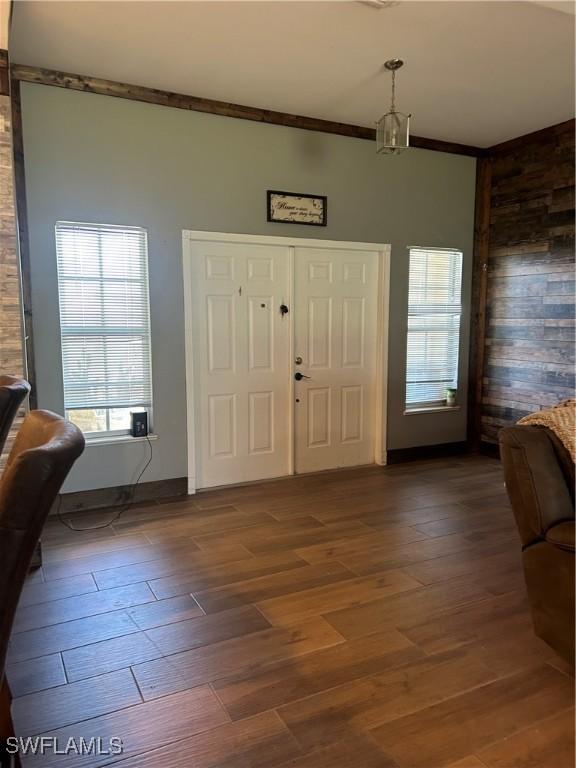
335	318
240	345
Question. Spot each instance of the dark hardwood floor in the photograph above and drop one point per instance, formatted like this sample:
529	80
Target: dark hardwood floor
371	618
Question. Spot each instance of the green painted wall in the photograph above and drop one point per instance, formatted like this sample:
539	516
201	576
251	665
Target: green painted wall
101	159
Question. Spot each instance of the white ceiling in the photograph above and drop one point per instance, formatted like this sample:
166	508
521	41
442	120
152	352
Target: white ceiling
476	72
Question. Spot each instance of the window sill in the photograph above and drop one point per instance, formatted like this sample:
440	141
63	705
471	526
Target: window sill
431	409
117	439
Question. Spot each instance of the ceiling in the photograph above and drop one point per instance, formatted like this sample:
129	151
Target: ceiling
476	72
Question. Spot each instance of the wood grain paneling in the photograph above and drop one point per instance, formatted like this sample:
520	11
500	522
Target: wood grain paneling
479	296
528	345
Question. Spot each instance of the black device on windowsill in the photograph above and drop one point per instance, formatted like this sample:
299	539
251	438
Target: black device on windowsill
139	423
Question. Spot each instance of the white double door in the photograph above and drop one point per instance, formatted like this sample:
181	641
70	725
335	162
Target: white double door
281	358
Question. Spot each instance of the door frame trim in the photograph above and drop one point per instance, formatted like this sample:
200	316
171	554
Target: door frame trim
190	236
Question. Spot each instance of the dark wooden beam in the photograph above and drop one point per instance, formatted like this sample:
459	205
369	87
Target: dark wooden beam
479	293
196	104
529	138
436	145
4	73
23	237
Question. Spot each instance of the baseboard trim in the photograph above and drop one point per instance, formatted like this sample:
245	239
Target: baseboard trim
148	493
489	449
118	496
418	452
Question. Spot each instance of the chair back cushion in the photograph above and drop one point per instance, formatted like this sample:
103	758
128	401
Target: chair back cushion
13	391
536	481
43	453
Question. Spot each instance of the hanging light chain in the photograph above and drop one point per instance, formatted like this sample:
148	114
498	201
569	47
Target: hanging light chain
393	102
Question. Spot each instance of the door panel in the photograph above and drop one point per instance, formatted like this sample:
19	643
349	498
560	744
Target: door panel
261	414
220	322
352	413
241	352
319	417
335	318
319	330
222	425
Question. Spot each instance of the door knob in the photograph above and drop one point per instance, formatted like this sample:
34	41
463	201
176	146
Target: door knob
299	376
298	360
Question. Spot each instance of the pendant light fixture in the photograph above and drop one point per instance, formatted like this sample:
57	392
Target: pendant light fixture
393	128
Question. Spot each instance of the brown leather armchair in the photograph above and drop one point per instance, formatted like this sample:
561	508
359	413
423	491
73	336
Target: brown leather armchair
45	449
539	477
13	392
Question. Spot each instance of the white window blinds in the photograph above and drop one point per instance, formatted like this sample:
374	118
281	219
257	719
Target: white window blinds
104	315
434	312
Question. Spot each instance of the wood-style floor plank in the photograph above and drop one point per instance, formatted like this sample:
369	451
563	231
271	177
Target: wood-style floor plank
357	751
295	679
366	618
106	560
197	579
71	634
260	742
162	612
205	630
82	606
467	723
267	587
384	697
548	743
469	623
36	592
212	662
109	655
35	674
314	602
406	608
168	565
348	547
58	707
144	727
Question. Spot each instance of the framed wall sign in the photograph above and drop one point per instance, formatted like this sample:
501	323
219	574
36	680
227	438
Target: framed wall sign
295	208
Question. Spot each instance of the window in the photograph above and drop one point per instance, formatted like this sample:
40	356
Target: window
434	312
104	324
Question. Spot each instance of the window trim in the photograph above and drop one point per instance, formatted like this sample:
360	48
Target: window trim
109	436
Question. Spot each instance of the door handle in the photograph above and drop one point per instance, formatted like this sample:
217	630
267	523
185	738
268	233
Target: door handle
299	376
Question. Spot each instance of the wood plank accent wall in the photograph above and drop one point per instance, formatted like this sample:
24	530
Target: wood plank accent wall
529	335
11	342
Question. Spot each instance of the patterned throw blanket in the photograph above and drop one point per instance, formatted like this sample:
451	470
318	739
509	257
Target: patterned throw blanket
561	419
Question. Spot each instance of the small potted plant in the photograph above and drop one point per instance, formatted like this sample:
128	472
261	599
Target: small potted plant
451	393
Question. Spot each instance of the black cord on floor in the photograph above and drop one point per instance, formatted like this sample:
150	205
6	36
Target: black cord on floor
118	514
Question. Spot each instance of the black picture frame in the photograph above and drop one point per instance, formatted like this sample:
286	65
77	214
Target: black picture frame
322	199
